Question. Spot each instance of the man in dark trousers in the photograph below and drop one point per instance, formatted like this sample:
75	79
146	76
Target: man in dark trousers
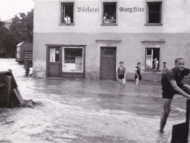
172	85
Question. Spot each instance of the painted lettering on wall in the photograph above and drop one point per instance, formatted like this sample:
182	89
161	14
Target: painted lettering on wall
133	9
87	9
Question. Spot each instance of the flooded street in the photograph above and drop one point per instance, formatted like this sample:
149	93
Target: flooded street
84	111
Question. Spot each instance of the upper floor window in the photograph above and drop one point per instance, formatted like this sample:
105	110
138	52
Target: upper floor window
67	13
109	13
154	13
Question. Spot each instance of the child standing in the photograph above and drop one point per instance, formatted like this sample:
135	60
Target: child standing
121	73
138	73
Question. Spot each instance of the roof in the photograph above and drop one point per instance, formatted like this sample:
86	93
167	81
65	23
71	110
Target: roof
19	44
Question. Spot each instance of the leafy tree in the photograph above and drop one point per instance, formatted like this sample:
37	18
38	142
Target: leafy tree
21	29
5	39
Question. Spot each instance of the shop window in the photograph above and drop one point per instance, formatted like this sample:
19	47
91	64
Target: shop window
152	58
109	12
54	54
67	13
154	12
72	60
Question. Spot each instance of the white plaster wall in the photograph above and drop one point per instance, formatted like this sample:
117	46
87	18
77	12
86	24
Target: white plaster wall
175	18
130	50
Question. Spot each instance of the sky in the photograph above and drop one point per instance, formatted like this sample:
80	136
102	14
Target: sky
10	8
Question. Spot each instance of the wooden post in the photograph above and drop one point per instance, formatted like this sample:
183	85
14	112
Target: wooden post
8	86
180	132
188	118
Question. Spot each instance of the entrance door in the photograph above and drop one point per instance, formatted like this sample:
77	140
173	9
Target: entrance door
151	55
149	58
108	63
54	65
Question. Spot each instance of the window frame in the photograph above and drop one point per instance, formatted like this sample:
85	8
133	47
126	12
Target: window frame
109	24
61	13
76	74
147	14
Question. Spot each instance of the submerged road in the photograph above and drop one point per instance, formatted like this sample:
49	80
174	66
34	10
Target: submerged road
83	111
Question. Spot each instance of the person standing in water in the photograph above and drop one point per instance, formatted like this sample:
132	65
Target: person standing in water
121	73
138	73
172	85
164	71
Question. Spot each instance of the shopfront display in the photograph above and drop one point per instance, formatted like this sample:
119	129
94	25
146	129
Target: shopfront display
72	60
66	61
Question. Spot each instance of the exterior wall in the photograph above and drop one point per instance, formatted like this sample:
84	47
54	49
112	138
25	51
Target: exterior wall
130	30
175	19
130	50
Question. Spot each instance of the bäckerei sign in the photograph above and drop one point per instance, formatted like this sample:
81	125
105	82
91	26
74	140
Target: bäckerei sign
121	9
87	9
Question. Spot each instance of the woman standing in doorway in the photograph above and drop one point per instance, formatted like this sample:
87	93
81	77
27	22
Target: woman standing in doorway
156	64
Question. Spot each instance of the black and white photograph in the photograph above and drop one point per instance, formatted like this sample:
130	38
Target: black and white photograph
94	71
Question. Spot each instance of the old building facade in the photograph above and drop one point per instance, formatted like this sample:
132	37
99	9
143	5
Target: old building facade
85	38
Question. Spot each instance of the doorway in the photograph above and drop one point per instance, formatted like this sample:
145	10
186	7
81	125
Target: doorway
108	63
151	55
54	58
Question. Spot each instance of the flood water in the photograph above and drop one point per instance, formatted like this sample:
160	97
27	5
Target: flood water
84	111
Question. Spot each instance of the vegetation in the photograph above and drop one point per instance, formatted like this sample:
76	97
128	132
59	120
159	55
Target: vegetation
21	29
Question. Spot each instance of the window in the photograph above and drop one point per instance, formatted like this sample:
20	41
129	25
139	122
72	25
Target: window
73	60
67	13
152	58
54	54
109	13
71	54
154	13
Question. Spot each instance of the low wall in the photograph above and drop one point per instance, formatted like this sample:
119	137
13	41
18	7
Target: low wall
145	76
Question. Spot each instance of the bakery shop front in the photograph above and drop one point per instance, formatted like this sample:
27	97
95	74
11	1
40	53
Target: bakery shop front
65	61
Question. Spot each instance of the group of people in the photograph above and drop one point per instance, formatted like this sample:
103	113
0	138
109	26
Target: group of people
109	18
67	19
171	82
121	71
